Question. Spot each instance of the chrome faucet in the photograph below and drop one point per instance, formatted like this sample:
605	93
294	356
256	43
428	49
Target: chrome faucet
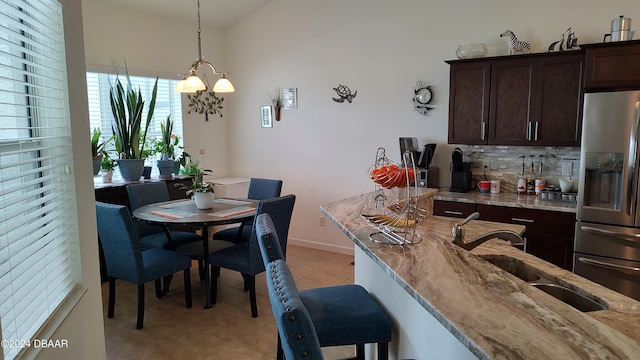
458	235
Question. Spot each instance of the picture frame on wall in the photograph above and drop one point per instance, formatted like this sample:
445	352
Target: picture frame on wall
290	98
266	116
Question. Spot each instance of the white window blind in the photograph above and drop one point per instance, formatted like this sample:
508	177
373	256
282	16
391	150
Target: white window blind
39	244
168	102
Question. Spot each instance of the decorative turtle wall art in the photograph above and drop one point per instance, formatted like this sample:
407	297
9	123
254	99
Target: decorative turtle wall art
344	93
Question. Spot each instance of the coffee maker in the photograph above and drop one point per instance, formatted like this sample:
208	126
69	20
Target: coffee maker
460	172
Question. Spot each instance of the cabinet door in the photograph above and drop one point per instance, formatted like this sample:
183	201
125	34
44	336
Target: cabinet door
558	106
613	66
453	208
469	102
549	234
512	87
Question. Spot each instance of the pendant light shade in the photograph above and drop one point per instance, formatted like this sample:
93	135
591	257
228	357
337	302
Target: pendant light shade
191	82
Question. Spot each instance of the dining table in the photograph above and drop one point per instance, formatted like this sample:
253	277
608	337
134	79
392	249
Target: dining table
184	212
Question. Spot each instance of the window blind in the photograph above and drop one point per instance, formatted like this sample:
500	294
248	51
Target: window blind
39	243
168	102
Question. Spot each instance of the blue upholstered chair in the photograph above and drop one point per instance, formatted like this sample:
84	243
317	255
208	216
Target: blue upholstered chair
245	257
259	189
298	338
153	236
341	315
126	260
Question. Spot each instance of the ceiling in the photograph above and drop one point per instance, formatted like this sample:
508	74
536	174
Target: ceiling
218	14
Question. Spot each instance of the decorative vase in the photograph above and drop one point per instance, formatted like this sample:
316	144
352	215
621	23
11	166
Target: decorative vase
204	200
131	169
96	165
276	112
107	177
176	168
146	172
165	167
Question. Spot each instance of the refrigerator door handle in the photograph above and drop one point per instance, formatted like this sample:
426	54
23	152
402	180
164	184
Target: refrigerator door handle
604	264
628	237
632	169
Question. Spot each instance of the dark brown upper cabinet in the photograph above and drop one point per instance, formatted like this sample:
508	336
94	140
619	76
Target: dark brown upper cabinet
516	100
612	66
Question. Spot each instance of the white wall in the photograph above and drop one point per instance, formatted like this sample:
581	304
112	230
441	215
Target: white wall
378	47
82	327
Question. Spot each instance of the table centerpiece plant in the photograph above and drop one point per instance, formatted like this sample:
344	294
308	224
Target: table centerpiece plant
201	191
129	131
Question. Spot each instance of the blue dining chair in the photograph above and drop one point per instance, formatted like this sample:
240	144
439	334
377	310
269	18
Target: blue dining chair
259	189
245	257
154	236
126	260
341	315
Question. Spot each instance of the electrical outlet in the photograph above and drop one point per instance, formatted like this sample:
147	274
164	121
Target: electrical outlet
322	220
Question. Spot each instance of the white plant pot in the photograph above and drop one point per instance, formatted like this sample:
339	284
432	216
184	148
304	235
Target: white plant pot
204	200
108	176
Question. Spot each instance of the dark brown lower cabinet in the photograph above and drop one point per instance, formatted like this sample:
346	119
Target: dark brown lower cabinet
549	234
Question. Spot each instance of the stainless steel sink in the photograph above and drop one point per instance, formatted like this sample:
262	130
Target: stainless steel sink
570	297
533	276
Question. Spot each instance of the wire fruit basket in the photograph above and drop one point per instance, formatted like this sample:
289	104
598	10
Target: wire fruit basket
393	208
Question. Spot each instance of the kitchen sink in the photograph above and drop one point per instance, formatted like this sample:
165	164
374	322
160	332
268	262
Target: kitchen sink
570	297
531	275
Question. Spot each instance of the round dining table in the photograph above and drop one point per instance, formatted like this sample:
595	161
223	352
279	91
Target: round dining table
184	212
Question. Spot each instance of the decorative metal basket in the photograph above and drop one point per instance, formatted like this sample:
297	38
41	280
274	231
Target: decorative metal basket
393	208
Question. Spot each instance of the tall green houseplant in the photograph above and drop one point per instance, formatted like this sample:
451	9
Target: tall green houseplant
129	131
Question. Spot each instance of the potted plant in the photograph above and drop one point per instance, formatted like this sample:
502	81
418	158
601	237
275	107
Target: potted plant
107	164
98	149
201	191
129	131
276	102
166	148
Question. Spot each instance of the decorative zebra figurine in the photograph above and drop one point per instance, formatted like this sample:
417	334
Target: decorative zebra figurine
516	46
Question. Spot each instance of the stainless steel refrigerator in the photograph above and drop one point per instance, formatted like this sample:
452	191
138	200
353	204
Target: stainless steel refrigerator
607	243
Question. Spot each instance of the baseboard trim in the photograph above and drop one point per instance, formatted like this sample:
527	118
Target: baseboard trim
347	250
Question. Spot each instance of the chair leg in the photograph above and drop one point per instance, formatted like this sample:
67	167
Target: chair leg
167	283
201	269
158	288
246	282
252	295
187	288
214	284
140	306
383	351
360	351
112	297
280	351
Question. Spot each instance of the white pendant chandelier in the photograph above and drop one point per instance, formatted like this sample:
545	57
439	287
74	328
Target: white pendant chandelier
191	82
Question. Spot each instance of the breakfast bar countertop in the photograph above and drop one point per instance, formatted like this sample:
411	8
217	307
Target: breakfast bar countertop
491	312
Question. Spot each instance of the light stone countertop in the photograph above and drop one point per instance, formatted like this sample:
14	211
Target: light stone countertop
493	313
507	199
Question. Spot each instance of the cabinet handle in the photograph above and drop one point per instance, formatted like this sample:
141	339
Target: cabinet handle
604	264
536	132
482	130
449	212
522	220
529	131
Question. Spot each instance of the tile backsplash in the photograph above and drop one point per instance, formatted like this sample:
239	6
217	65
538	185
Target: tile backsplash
504	163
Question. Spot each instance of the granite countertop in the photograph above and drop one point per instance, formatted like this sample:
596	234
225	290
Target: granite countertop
493	313
507	199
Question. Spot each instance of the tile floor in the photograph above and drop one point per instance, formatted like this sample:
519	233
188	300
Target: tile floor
226	331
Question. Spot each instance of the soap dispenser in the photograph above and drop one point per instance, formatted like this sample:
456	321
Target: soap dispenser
522	181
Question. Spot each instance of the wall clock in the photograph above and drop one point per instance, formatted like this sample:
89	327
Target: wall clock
422	98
